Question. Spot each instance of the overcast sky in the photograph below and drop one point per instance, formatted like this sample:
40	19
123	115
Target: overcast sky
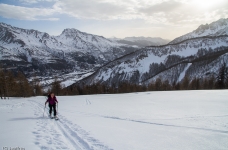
120	18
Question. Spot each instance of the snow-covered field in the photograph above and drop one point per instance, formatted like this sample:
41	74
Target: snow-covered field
182	120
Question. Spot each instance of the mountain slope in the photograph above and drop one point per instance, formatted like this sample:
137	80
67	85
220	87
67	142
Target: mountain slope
142	41
153	40
72	50
167	62
216	28
195	57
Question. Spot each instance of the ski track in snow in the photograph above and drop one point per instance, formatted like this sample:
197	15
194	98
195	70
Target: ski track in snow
168	125
88	102
162	124
192	120
63	134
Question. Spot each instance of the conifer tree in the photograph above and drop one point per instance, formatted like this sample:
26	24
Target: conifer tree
1	83
158	84
166	86
211	82
151	86
24	89
185	83
205	84
3	86
177	86
11	84
221	78
37	89
56	87
226	82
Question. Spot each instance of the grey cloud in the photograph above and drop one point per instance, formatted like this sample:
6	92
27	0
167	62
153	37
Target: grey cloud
24	13
36	1
183	13
92	9
165	7
168	12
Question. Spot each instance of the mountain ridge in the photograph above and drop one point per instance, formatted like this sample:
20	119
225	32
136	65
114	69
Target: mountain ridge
70	56
165	62
219	27
141	41
32	51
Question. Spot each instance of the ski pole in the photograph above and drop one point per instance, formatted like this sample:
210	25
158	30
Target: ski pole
57	109
44	109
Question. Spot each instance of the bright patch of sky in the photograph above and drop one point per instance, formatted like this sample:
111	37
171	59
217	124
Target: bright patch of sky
150	18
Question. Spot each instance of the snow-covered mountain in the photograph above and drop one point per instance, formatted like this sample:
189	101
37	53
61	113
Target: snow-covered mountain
142	41
30	50
216	28
156	40
195	57
196	54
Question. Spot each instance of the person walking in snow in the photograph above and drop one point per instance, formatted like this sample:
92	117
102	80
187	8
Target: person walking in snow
52	103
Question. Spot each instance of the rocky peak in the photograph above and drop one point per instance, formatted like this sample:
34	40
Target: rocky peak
216	28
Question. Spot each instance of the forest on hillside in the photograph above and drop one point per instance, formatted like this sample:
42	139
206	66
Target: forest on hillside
17	85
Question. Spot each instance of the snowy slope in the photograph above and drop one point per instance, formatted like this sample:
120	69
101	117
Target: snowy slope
216	28
157	40
182	75
69	40
81	40
171	59
70	51
206	52
141	41
150	120
65	79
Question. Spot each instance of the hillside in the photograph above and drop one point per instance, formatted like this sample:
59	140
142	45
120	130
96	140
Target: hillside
38	52
213	29
142	41
199	57
70	57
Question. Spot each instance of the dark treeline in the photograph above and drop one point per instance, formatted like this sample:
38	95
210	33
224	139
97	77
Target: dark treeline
158	85
218	82
16	85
